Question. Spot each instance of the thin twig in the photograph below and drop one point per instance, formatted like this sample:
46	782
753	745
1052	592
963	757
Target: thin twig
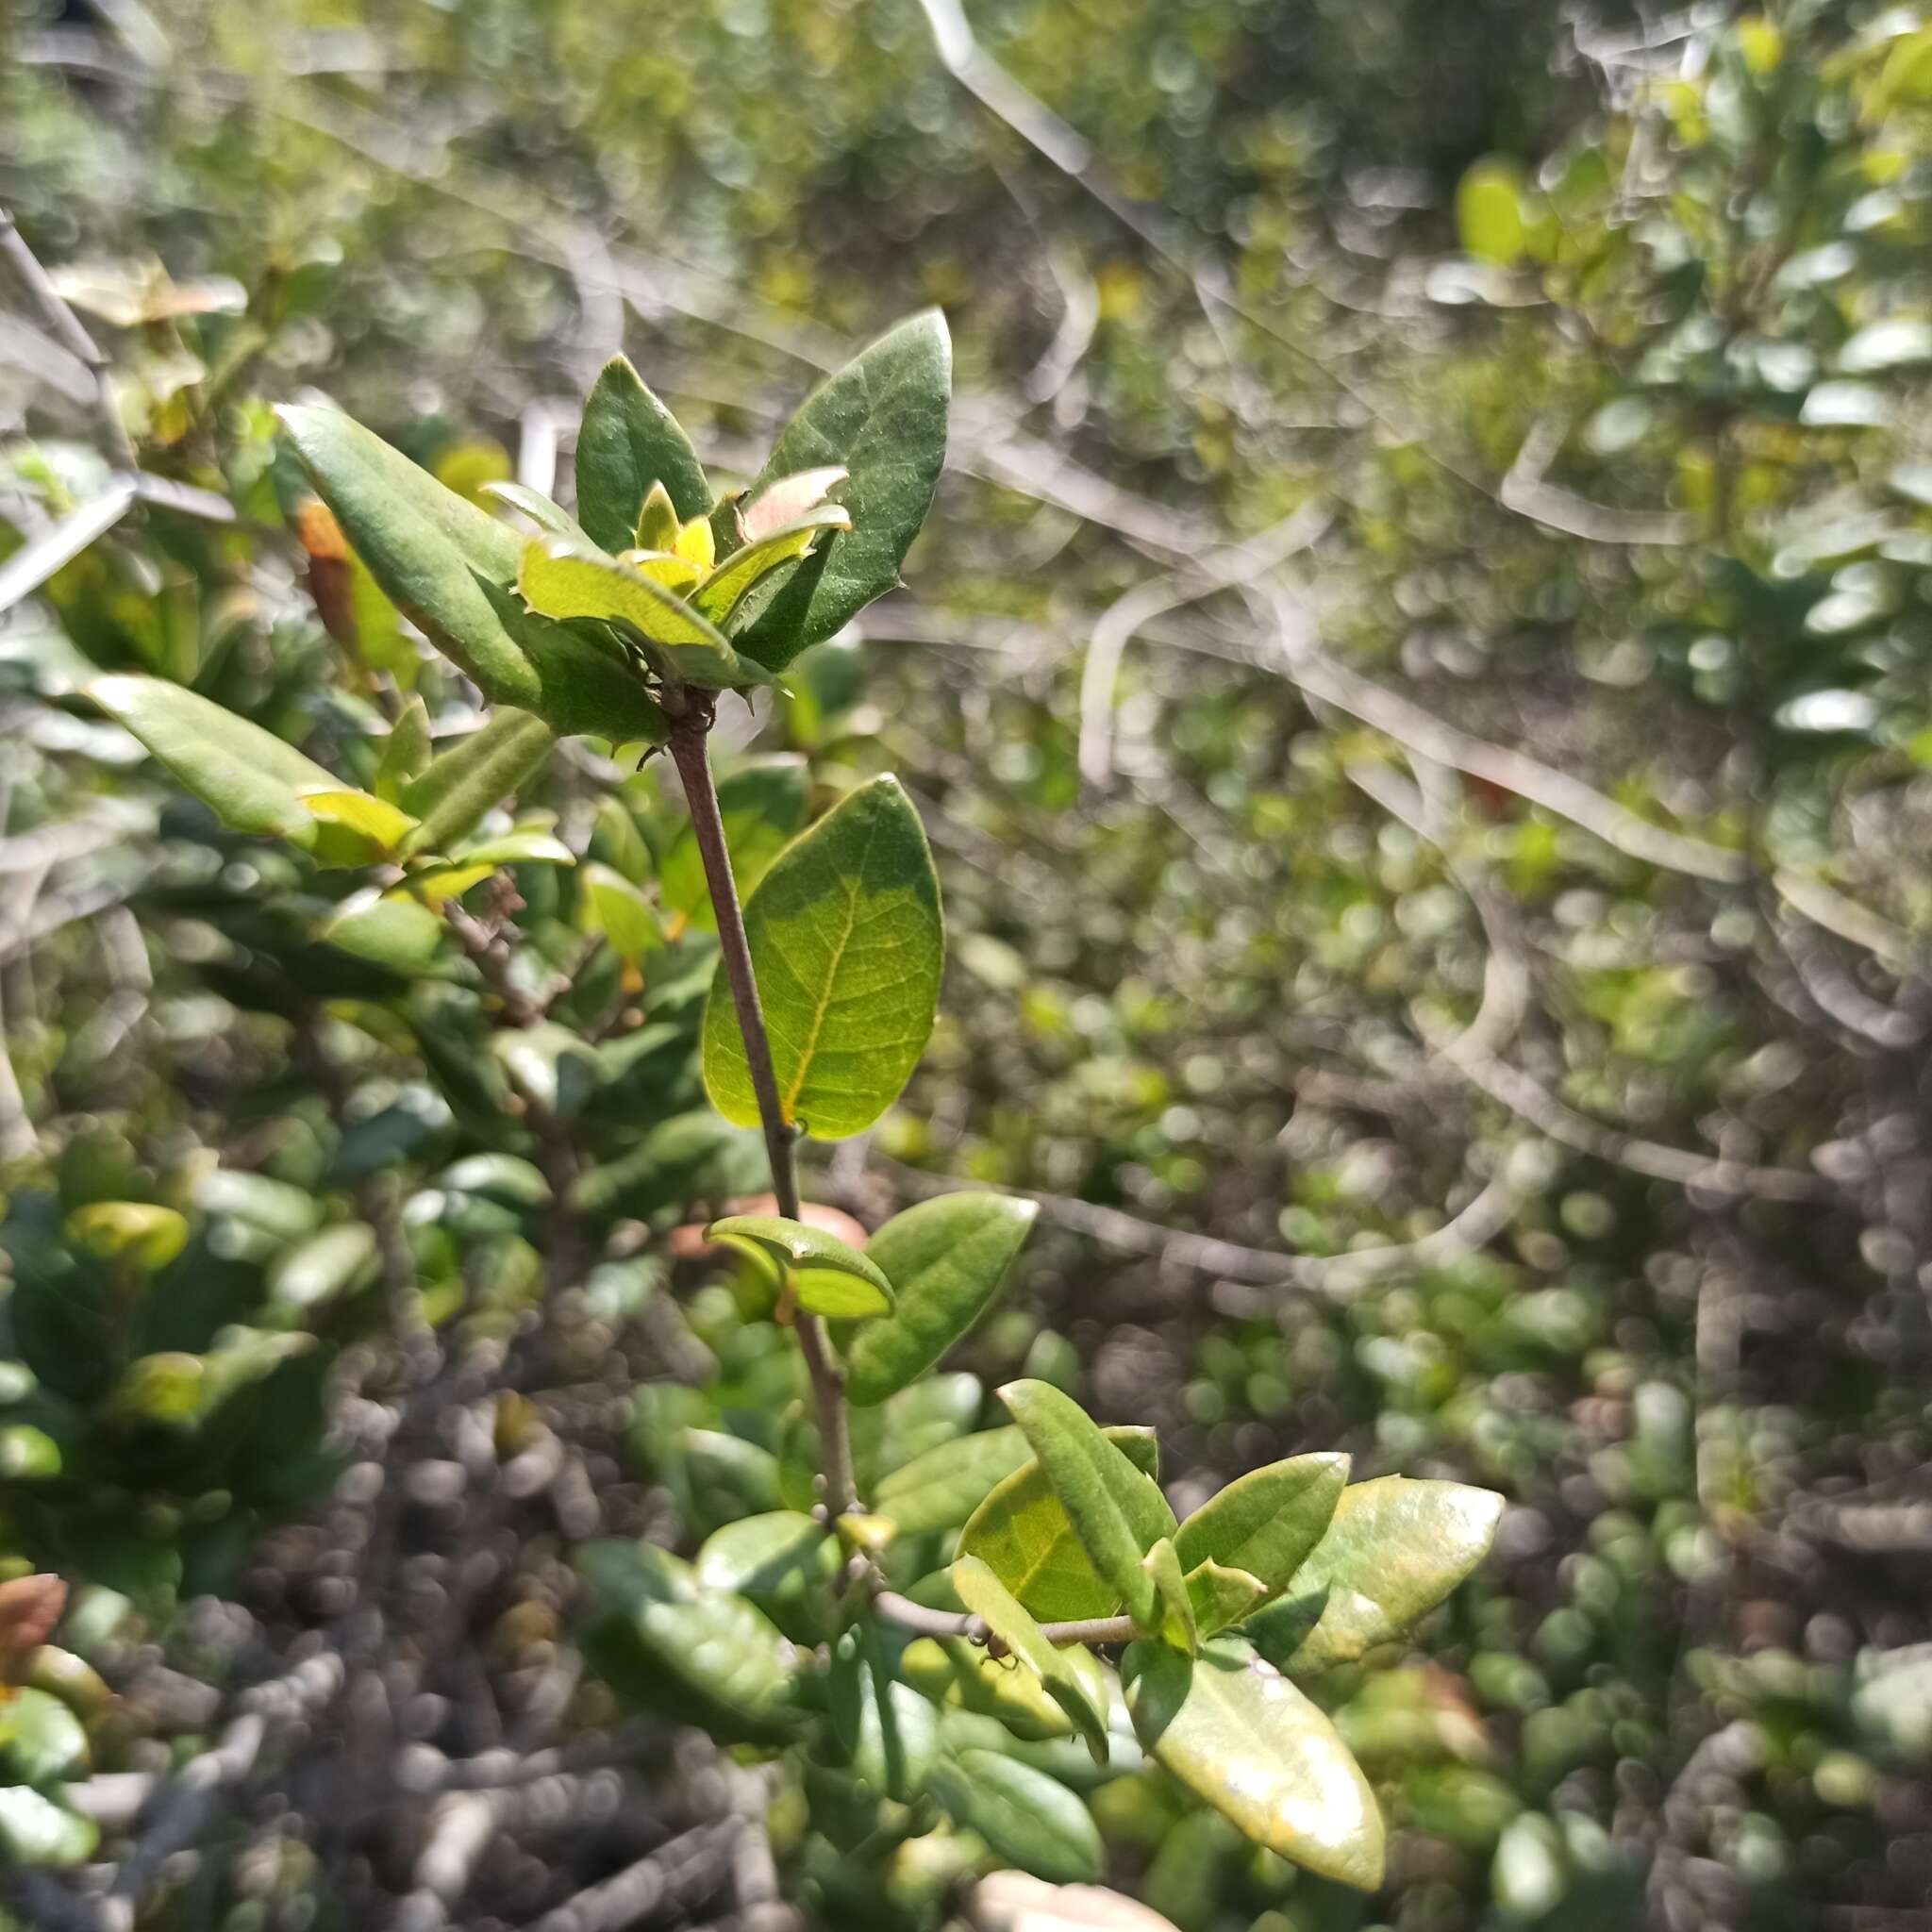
690	753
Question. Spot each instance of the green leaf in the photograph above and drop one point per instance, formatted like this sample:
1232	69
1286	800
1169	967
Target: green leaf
434	553
946	1258
248	777
940	1489
763	806
1118	1513
612	908
34	1830
278	1209
1395	1550
658	523
1028	1819
27	1454
355	827
505	1177
828	1277
1023	1533
1489	212
324	1268
519	845
388	928
890	1732
456	786
628	440
665	1642
883	417
848	944
1239	1735
959	1676
987	1597
139	1231
1266	1522
560	581
777	1558
1221	1596
449	566
405	751
723	595
551	518
39	1738
1174	1607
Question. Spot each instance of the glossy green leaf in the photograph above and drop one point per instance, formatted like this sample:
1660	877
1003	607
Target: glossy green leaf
142	1232
1239	1735
848	944
722	596
946	1258
1268	1521
987	1597
324	1268
889	1731
1174	1607
940	1489
777	1556
764	808
1221	1596
559	581
883	417
664	1641
1023	1533
405	751
248	777
959	1676
458	786
35	1830
613	908
1395	1548
828	1277
276	1208
387	929
934	1410
627	441
1028	1819
505	1177
450	567
1117	1513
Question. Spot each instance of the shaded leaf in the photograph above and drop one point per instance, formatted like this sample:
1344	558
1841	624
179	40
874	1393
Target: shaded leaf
458	786
941	1488
890	1732
1174	1607
612	908
987	1597
1221	1596
324	1268
405	751
828	1277
764	808
946	1259
1028	1819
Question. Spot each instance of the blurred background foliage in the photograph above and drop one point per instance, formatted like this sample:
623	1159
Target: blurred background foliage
1417	683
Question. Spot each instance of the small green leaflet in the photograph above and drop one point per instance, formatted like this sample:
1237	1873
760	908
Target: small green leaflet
458	786
828	1277
1268	1521
558	580
946	1258
627	441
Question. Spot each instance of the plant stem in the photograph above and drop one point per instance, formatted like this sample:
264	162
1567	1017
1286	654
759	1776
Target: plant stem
912	1616
691	754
